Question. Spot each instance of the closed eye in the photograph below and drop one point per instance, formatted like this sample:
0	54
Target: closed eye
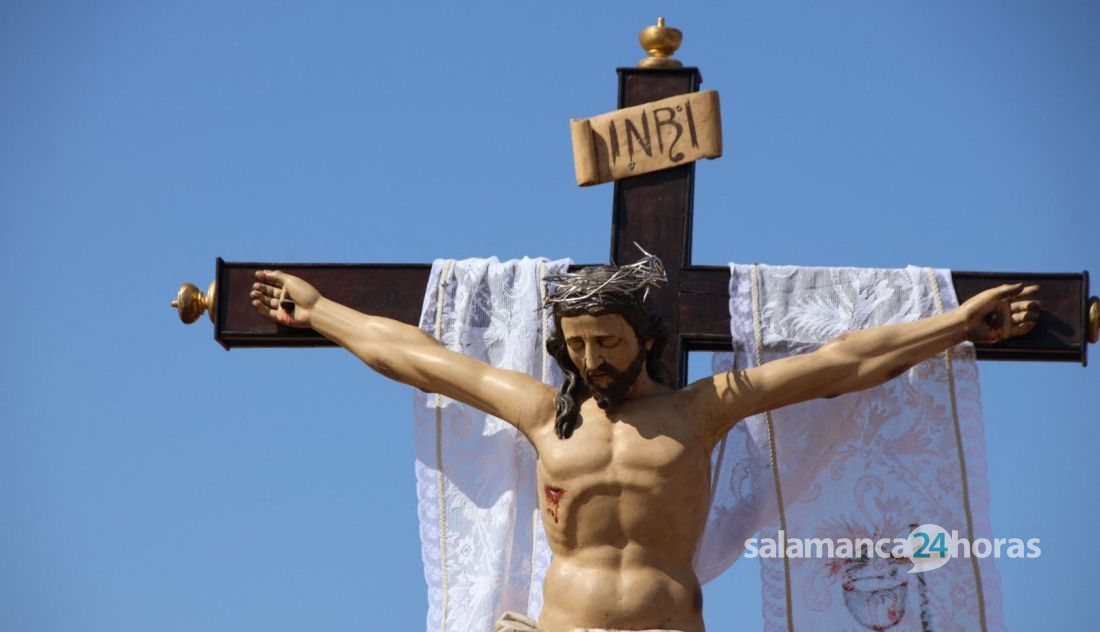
607	341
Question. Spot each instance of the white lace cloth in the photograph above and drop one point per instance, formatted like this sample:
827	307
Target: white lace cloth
481	538
861	464
870	464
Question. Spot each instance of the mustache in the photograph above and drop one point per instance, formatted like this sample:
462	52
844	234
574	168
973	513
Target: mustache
605	369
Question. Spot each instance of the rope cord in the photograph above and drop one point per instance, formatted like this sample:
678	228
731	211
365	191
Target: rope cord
772	452
962	456
448	266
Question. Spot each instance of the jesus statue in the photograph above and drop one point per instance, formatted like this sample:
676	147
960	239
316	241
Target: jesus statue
624	460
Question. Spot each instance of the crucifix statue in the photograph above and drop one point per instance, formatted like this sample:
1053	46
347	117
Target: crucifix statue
624	446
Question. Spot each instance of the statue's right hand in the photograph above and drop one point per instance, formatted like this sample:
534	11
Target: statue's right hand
283	298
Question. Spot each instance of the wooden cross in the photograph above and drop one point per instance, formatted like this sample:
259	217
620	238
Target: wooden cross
654	210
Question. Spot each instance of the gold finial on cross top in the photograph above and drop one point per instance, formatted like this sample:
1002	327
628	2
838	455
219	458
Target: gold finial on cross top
660	42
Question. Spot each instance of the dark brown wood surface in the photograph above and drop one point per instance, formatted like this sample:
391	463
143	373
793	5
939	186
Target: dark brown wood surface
702	303
654	210
391	290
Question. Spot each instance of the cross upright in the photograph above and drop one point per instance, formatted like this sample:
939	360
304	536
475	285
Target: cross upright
654	210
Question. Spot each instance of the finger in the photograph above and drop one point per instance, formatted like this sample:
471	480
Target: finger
264	297
265	276
1028	292
1008	289
1020	318
266	311
266	290
1025	306
273	277
1018	290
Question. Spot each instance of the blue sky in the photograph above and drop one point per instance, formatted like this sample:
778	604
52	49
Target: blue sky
150	480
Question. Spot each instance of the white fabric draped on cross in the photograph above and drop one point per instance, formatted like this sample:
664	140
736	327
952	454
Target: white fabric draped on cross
857	465
872	464
481	538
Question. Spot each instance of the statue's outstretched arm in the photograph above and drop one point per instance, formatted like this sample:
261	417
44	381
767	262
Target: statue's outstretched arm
861	359
405	353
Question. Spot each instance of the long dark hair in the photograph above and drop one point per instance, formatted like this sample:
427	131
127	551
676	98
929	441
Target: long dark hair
643	319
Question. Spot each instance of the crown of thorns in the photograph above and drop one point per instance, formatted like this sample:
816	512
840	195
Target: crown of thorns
592	287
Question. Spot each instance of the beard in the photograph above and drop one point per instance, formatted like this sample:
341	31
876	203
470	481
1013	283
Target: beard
621	381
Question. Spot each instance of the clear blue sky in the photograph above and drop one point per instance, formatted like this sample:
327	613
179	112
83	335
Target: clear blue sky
151	481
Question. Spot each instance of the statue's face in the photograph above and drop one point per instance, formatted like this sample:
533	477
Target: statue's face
607	353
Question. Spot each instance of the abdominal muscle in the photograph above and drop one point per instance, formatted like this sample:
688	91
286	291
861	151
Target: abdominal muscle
608	587
624	560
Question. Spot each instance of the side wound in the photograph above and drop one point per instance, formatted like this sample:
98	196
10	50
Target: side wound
553	501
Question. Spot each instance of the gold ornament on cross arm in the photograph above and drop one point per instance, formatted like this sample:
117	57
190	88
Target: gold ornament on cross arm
191	302
1094	319
660	42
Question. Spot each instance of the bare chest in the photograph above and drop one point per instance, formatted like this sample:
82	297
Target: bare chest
624	473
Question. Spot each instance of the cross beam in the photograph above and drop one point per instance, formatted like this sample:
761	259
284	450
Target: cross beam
654	210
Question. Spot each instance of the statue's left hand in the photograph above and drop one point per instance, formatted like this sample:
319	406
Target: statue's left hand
1001	312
